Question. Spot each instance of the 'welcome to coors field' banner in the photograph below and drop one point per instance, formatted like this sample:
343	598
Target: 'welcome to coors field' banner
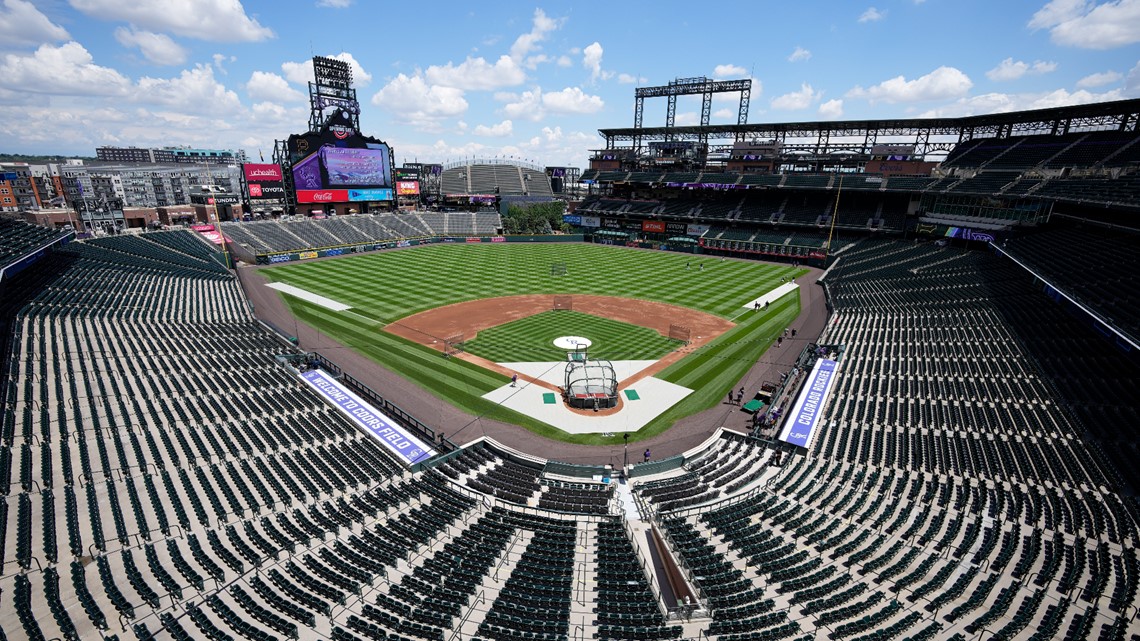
405	446
799	426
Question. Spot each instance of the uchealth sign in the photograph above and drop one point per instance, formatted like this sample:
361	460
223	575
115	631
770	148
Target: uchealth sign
262	173
322	195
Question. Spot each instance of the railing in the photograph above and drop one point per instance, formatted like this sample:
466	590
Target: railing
407	420
513	162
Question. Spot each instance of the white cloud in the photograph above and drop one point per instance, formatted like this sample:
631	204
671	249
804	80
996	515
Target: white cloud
541	26
193	91
1099	79
724	114
21	23
264	85
728	71
65	70
1132	82
629	79
155	47
872	15
797	100
831	109
564	61
500	130
1088	24
799	54
535	105
940	84
421	104
572	100
477	73
1009	69
592	60
302	72
334	4
216	20
686	119
1004	103
219	60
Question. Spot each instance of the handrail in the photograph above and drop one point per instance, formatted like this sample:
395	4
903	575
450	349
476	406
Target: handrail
480	599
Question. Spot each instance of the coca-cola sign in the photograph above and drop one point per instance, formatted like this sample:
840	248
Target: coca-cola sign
258	173
322	195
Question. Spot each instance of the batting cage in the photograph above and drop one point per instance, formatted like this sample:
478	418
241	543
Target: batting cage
590	384
563	302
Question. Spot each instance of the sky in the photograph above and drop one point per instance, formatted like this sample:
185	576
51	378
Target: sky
443	81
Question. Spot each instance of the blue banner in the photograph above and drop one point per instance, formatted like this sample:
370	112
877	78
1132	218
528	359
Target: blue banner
406	447
572	219
800	423
357	195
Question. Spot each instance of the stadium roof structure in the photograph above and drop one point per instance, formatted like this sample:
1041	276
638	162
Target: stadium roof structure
929	135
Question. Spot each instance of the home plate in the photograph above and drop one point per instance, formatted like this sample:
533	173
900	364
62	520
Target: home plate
642	402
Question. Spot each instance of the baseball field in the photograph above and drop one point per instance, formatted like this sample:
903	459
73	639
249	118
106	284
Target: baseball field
632	290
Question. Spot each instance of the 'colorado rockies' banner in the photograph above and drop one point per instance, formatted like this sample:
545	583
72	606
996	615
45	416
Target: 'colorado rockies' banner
406	447
800	423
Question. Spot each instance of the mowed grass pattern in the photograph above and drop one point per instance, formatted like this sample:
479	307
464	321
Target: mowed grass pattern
386	286
531	339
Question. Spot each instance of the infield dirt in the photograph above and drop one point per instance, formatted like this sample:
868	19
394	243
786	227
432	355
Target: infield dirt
434	326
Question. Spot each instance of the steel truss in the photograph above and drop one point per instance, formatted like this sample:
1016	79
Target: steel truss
706	87
931	136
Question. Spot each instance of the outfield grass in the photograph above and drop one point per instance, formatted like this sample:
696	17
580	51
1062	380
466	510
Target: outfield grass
386	286
531	339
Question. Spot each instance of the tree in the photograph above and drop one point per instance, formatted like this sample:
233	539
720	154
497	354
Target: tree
534	218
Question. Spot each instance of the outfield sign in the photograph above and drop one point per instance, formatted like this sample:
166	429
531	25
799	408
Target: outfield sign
799	427
405	446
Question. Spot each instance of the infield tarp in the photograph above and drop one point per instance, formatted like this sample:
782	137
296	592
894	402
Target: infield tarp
799	427
407	448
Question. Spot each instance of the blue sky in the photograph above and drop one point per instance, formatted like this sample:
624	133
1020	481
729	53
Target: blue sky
443	80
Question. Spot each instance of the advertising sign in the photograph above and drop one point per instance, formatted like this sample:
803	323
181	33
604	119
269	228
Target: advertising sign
407	188
591	221
390	434
258	172
655	226
801	422
322	195
696	230
571	219
358	195
274	190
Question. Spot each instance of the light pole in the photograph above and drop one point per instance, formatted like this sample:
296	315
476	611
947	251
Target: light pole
626	464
